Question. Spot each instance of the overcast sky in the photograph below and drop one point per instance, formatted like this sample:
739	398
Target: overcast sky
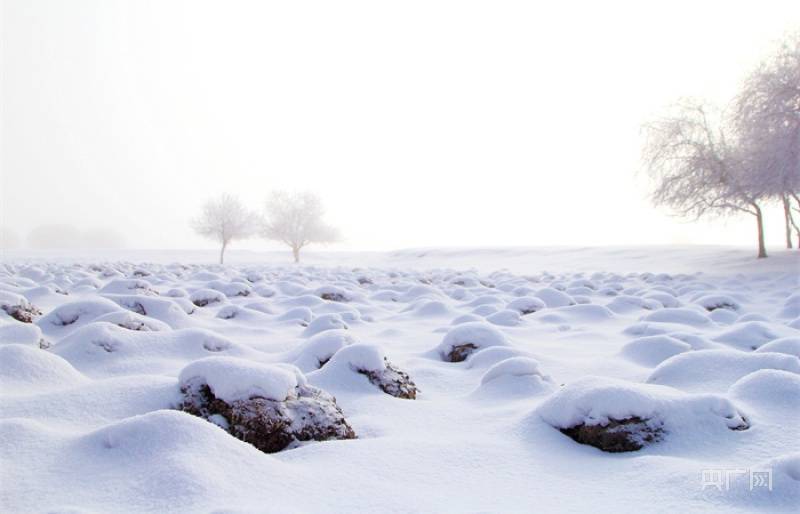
420	123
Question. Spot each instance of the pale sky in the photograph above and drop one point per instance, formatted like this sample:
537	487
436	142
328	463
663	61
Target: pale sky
420	123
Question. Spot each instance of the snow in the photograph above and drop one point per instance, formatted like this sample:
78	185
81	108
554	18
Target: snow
232	379
515	367
653	350
478	333
88	391
596	400
716	370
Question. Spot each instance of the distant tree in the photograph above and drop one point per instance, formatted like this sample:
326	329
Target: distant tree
225	219
296	220
767	119
697	170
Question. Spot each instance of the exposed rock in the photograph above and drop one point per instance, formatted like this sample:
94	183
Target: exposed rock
308	414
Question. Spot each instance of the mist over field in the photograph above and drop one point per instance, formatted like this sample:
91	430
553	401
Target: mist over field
419	125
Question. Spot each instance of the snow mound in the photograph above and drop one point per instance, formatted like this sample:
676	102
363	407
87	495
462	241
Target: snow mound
713	302
753	334
515	367
133	321
103	349
206	297
129	287
716	370
17	307
250	408
653	350
168	310
348	367
769	388
615	415
231	379
431	308
163	456
624	304
791	307
27	370
334	294
526	305
585	313
492	355
679	315
21	333
316	351
301	315
462	340
506	318
554	298
70	316
325	322
787	345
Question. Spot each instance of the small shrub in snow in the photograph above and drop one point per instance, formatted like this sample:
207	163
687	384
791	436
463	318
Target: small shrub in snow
133	321
317	350
552	297
79	312
507	317
393	381
370	361
618	416
515	367
625	435
333	294
462	340
713	302
706	370
24	312
526	305
325	322
677	315
204	297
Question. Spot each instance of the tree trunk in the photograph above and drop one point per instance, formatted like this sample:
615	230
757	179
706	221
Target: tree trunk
296	254
791	218
222	253
762	250
787	218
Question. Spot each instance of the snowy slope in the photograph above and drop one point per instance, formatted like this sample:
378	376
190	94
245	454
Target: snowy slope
701	342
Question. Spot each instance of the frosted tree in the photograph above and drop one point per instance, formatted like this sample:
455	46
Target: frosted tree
296	220
767	118
696	170
224	219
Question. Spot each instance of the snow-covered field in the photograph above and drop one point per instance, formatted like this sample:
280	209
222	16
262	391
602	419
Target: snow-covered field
462	382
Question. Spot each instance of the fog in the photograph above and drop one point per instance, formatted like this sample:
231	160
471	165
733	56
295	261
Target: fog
419	123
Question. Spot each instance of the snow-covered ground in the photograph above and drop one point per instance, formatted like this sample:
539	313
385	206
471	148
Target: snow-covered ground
513	354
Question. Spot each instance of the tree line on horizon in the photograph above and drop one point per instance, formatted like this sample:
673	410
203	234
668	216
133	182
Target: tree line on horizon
294	219
705	160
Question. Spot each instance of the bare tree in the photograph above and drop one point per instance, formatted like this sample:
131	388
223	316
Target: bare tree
296	220
696	169
767	118
225	219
